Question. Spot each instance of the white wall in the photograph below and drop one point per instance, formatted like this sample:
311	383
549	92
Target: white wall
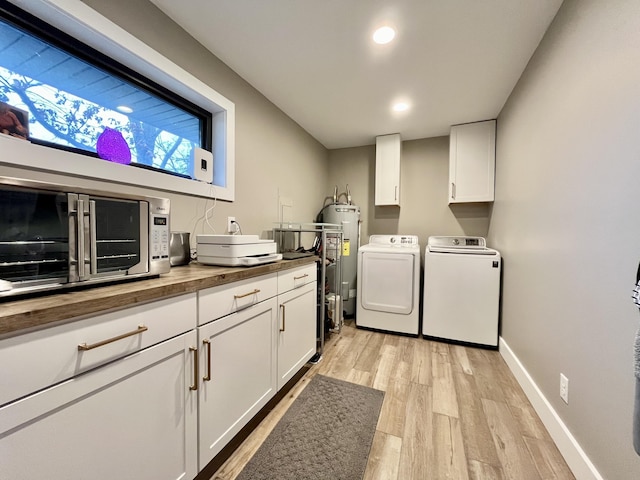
566	221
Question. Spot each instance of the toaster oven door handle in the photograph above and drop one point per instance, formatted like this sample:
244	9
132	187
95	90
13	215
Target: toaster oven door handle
93	254
72	214
80	238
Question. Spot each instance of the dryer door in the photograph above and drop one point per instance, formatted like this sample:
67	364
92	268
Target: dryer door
386	282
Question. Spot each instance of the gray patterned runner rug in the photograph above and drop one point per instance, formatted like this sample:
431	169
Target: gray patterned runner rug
325	435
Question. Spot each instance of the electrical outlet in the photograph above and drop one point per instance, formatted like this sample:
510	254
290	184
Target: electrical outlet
230	226
564	388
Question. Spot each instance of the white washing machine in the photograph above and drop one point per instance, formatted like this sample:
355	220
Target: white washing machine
388	296
461	291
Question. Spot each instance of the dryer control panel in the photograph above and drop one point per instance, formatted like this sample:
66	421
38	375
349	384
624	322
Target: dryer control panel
394	240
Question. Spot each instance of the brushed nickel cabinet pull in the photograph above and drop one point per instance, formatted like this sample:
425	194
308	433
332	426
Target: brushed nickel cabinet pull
195	368
453	190
84	346
301	276
282	307
257	290
207	343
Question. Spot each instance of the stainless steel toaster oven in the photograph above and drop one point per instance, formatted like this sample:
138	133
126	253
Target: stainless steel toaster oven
56	236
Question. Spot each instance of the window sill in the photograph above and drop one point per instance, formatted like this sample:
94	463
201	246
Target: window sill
24	154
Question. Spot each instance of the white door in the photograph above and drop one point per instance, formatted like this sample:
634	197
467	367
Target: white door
239	365
472	162
296	330
386	282
387	181
133	419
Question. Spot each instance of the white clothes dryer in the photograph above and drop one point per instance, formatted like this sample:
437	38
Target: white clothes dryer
388	295
461	291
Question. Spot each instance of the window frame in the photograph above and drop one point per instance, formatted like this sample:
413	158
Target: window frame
91	28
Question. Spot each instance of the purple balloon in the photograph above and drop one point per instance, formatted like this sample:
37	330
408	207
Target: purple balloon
112	146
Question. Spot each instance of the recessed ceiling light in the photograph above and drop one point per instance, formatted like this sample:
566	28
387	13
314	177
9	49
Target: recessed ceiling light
400	107
124	109
384	35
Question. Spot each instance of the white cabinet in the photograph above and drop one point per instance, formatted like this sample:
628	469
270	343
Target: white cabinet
387	183
237	365
247	355
155	391
296	320
472	159
216	302
39	359
134	418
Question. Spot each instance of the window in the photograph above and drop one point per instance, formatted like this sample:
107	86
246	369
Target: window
71	102
74	94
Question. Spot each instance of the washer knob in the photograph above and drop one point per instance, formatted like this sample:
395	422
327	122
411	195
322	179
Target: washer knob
392	239
456	241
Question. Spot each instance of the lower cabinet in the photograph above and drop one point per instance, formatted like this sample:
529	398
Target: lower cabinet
296	330
248	355
156	391
237	371
134	418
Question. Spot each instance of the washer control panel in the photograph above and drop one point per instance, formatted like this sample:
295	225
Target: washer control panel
458	242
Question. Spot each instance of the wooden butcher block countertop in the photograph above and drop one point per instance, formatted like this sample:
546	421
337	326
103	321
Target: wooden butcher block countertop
27	314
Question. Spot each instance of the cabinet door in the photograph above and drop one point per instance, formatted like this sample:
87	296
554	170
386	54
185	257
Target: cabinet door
135	418
216	302
387	191
296	331
472	158
296	277
238	367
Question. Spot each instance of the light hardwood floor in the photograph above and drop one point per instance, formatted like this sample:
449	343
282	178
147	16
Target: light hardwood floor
449	412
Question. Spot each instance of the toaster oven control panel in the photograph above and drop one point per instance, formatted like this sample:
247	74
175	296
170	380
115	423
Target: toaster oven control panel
159	237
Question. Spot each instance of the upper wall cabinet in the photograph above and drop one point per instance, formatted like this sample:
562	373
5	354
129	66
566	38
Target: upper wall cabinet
388	170
472	162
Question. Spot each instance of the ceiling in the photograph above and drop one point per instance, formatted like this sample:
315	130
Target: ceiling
452	61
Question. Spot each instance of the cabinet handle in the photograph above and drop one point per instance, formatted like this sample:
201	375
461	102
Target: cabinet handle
301	277
282	307
453	190
207	377
257	290
84	346
395	193
195	368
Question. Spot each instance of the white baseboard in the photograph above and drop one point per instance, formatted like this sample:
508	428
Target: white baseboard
573	454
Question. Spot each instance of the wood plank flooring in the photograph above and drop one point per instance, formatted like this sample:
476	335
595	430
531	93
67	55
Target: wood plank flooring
450	412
